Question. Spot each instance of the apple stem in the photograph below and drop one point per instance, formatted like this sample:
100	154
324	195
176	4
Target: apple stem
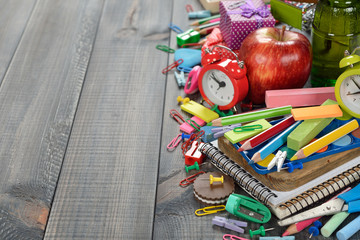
282	32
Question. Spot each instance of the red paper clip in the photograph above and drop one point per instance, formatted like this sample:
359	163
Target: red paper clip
177	116
189	8
185	146
173	65
189	180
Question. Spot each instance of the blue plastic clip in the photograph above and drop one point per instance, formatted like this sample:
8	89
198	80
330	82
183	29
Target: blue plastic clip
180	78
175	28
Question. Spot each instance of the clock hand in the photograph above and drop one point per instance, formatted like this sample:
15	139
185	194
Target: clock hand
221	84
358	86
353	93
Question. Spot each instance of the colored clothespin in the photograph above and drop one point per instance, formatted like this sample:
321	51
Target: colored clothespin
191	85
220	131
190	36
194	155
209	210
231	224
195	166
180	78
278	160
261	231
175	28
213	179
189	180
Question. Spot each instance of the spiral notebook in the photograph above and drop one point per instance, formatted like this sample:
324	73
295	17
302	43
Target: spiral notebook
284	204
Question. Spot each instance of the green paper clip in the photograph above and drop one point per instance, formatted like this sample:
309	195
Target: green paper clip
247	208
247	128
165	48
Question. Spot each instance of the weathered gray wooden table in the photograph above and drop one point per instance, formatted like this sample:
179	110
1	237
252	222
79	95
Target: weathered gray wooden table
84	113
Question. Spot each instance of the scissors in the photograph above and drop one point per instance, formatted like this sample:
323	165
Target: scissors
346	202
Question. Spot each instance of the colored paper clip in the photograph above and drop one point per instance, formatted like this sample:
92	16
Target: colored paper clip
189	180
184	69
233	237
193	124
175	28
174	143
209	210
165	48
247	128
173	65
177	116
189	8
180	78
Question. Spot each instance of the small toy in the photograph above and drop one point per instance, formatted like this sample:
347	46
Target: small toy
261	231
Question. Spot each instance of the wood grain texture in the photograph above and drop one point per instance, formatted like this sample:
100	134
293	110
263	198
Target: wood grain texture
108	181
38	99
14	16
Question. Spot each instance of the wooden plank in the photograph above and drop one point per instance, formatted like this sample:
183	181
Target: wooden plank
38	99
108	180
14	16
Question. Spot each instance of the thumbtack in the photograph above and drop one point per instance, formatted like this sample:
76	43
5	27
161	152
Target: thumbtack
195	166
261	231
291	166
314	230
183	100
216	179
185	136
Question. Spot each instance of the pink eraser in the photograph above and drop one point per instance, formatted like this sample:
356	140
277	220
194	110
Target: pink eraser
185	127
299	97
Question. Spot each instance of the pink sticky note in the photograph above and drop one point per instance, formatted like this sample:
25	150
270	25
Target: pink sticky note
185	127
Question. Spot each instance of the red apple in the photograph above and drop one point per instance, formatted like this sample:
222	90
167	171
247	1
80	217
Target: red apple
275	59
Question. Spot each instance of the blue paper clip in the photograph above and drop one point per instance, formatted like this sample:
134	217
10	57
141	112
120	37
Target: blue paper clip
180	78
184	69
175	28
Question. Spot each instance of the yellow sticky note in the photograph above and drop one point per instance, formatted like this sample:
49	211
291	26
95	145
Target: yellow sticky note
235	137
200	111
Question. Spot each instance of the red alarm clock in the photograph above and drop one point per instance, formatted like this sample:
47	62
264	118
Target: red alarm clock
222	81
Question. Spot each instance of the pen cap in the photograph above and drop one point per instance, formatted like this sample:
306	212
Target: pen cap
199	14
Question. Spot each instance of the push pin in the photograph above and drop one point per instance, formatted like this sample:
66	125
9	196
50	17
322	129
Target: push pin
183	100
314	230
185	136
261	231
292	166
195	166
216	179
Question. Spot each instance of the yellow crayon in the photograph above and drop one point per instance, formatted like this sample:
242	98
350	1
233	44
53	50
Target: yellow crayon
326	140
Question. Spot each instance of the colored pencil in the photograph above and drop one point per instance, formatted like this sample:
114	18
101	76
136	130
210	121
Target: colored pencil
326	140
211	21
207	26
298	227
262	137
203	20
251	116
273	145
207	30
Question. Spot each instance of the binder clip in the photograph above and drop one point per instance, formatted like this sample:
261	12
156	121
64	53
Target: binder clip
180	78
194	155
247	208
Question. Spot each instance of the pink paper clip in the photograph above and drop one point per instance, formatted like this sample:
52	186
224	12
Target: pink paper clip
174	143
177	116
189	8
173	65
191	85
233	237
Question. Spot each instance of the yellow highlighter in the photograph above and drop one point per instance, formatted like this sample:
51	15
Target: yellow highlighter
326	140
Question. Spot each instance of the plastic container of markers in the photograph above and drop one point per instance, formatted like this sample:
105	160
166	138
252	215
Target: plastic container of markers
345	143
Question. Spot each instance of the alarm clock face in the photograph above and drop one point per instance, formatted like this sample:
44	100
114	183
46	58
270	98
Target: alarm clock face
218	87
350	93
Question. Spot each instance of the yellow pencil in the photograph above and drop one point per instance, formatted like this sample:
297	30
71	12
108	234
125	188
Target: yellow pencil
326	140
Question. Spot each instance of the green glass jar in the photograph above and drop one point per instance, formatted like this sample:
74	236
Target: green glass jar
336	28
